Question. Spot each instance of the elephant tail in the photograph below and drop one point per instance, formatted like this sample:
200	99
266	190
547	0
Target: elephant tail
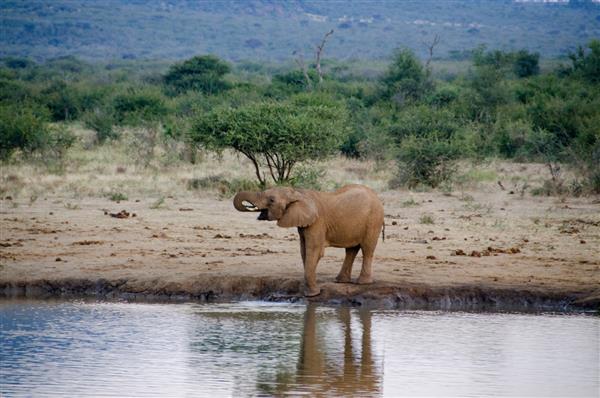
383	233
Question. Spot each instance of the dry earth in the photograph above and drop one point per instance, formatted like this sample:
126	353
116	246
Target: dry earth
518	251
187	242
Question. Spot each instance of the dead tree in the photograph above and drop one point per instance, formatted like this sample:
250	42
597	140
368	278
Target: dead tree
319	53
430	48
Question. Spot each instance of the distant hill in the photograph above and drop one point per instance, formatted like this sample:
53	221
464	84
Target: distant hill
273	29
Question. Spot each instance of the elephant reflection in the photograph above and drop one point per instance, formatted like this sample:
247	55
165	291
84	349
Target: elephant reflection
325	370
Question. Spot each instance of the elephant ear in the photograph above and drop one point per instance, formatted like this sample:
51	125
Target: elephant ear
300	212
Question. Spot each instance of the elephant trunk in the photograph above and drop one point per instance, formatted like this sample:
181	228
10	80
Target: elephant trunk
246	196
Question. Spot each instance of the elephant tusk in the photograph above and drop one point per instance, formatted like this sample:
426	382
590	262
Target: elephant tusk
249	206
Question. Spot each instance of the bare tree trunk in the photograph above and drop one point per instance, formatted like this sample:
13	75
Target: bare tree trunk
319	53
430	48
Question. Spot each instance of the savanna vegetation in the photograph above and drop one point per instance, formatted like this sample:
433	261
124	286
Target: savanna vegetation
414	115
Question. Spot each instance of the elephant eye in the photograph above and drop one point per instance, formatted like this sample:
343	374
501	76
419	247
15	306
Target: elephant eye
271	199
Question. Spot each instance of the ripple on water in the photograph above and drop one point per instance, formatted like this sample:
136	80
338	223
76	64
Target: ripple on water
254	348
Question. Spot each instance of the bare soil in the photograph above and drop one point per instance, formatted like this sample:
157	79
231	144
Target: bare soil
488	247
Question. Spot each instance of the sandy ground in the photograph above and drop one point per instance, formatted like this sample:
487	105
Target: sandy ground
541	246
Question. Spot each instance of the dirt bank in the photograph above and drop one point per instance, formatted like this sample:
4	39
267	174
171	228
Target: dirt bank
471	250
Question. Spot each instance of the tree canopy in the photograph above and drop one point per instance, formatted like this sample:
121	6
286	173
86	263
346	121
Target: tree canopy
202	73
274	135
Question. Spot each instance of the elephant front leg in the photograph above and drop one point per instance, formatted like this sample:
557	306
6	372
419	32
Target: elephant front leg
313	254
345	275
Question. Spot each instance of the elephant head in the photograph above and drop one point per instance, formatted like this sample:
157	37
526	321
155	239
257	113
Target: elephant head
289	207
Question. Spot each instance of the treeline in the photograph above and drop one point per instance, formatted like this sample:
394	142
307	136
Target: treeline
499	106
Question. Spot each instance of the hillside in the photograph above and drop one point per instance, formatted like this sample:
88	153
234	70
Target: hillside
273	29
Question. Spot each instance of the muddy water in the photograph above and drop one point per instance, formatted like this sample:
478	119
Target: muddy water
242	349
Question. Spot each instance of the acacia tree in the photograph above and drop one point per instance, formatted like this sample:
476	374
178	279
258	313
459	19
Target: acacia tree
275	136
203	73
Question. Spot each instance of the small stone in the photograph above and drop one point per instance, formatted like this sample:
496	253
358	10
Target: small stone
582	242
394	223
58	259
430	257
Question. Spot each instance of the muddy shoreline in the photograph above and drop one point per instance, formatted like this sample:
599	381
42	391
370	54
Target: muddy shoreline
382	295
491	253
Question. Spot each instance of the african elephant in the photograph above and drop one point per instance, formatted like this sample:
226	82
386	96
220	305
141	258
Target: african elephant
351	217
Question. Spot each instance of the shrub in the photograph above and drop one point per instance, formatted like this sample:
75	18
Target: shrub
405	79
427	160
102	121
308	177
117	196
23	127
586	64
526	64
294	81
203	73
426	219
423	120
62	101
139	105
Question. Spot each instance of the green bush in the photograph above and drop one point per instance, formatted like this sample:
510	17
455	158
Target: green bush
139	105
586	64
25	127
62	100
102	120
294	81
427	160
422	120
405	79
22	127
202	73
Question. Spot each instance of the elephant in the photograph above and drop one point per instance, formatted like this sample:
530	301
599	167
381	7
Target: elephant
350	218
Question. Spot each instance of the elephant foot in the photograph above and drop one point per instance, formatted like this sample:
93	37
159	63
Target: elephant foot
343	279
363	280
312	292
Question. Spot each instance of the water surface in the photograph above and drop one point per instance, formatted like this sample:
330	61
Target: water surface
266	349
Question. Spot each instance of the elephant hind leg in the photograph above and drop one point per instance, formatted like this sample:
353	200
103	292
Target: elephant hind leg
368	248
345	275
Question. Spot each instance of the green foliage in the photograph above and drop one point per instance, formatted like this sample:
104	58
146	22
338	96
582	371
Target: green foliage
117	196
427	219
102	121
526	64
25	127
308	177
22	127
294	81
139	105
586	64
202	73
405	80
422	120
427	160
62	101
274	134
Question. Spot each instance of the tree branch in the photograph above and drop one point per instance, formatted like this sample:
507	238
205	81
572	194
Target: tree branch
430	48
261	180
319	53
271	163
